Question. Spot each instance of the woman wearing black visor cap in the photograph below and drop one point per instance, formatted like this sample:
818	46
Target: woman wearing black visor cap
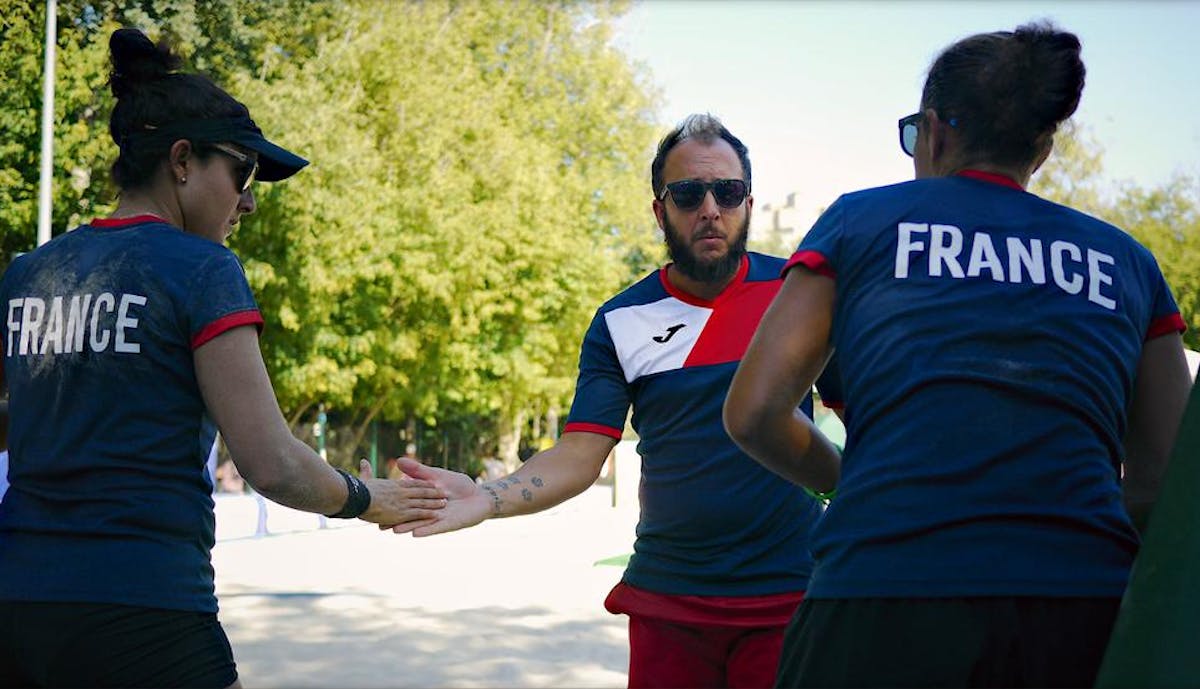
128	342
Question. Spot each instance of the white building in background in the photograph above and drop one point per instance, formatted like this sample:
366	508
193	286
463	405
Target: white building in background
784	223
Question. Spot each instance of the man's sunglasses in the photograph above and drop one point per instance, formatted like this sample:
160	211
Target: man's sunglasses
688	194
247	167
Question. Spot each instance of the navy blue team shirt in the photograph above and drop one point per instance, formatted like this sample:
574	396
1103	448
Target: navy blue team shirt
110	501
987	342
713	521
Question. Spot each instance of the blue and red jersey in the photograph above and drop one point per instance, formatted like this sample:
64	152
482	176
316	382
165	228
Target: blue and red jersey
713	521
109	499
987	342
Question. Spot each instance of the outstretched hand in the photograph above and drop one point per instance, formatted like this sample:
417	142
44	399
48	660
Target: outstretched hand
466	504
400	502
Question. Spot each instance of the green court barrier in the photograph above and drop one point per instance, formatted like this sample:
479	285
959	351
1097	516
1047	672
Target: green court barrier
1156	640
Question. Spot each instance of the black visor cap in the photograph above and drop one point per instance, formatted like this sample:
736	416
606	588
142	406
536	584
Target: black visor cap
275	163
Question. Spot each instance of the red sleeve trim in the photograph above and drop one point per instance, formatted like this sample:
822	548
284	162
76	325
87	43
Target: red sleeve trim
576	427
812	260
224	323
1171	323
833	404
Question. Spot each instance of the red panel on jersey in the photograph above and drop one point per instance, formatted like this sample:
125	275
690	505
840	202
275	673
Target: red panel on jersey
735	316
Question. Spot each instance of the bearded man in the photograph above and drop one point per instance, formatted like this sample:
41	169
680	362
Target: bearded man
721	557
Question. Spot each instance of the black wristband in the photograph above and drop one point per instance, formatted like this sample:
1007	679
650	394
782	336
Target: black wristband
358	498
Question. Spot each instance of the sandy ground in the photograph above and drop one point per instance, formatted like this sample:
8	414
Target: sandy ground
510	603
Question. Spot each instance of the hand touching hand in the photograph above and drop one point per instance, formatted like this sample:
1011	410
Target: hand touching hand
466	503
400	502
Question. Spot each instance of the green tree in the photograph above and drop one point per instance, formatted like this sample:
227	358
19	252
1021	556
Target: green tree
1073	175
477	190
477	187
219	37
1165	219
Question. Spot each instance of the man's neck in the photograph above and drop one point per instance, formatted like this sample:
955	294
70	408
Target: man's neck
707	291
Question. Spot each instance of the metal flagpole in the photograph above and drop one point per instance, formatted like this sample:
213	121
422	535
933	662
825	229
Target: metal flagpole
43	233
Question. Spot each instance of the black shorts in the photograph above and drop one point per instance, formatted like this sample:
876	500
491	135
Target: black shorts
105	645
946	642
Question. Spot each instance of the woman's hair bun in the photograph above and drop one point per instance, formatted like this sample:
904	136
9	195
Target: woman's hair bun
1056	67
136	60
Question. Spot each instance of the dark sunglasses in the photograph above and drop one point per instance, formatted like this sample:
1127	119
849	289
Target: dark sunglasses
908	132
247	165
909	126
688	194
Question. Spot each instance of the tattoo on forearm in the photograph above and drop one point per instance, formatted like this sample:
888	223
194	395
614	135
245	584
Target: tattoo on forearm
537	481
514	480
495	499
502	484
527	494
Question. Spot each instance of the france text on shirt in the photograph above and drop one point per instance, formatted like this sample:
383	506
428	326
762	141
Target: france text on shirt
1072	268
71	323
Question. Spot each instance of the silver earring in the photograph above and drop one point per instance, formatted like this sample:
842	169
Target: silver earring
183	180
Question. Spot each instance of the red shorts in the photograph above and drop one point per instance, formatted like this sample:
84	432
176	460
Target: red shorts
702	641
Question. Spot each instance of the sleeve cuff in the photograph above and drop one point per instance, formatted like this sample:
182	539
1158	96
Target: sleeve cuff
812	260
228	322
1171	323
577	427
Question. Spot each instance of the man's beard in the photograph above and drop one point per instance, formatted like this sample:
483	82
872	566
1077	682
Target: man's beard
709	272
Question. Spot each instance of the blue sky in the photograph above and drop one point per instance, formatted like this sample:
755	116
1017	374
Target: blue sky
815	88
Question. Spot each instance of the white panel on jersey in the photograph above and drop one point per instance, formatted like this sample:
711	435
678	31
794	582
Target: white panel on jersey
655	337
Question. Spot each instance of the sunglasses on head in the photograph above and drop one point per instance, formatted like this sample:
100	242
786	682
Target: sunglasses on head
247	165
688	194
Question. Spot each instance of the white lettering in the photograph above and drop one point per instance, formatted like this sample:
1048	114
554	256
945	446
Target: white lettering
31	323
76	315
66	327
54	328
941	251
13	326
1096	277
905	245
983	255
99	344
1030	258
1024	258
125	321
1057	249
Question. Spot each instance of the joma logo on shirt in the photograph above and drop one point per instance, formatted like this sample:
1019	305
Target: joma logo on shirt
662	339
1071	268
71	323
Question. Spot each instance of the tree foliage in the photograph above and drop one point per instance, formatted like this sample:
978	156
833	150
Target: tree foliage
477	185
1165	219
219	37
